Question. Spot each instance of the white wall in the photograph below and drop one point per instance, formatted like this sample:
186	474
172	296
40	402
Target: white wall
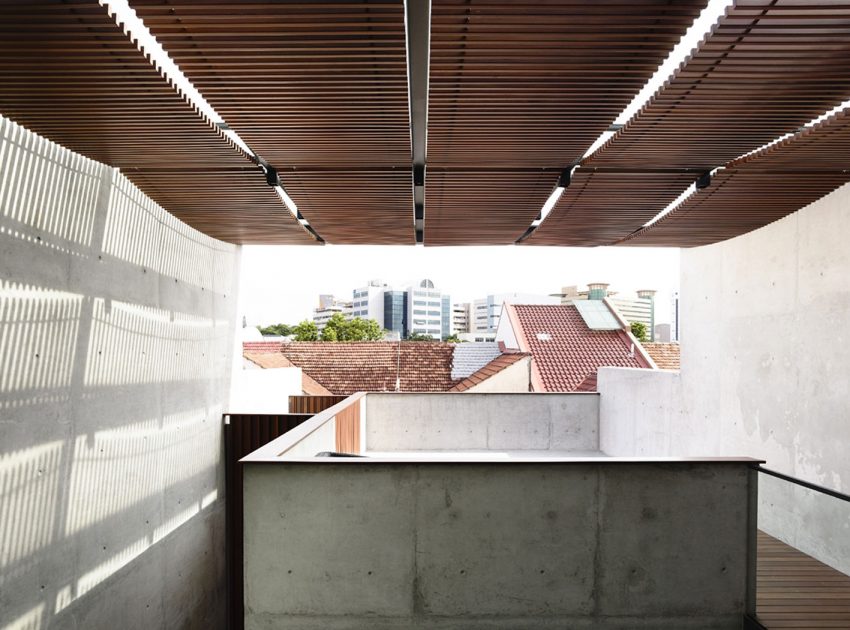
116	329
514	378
765	370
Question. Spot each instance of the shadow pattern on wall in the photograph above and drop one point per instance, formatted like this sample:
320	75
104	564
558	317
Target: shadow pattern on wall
116	331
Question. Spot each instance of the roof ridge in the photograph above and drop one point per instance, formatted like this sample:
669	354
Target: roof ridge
500	363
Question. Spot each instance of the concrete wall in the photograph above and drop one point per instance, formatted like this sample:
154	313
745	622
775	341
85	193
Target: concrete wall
514	378
765	365
642	413
500	546
264	391
116	328
433	422
318	441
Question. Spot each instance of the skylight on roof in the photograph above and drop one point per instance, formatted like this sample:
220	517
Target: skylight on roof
597	315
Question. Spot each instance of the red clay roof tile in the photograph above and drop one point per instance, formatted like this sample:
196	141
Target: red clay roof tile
665	355
566	352
494	367
347	367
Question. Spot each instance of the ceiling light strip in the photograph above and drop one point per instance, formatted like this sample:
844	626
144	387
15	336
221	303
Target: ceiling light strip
135	28
706	20
695	33
692	189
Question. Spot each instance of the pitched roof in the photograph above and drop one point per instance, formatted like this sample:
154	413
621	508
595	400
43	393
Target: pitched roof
665	355
372	366
565	351
343	368
261	346
589	383
492	368
275	359
472	356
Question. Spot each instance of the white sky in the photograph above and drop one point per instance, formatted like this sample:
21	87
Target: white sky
282	284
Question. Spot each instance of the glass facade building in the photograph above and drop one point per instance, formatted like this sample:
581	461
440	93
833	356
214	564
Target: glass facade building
395	312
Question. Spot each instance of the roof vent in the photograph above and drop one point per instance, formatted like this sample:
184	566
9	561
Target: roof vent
544	336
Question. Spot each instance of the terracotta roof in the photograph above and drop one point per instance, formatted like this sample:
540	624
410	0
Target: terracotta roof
371	366
564	350
261	346
494	367
588	384
343	368
665	355
275	359
469	357
267	360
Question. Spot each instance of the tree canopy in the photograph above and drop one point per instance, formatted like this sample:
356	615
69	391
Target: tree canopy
282	330
419	337
639	331
358	329
306	331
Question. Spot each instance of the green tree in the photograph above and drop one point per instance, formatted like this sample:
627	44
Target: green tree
358	329
453	338
277	329
639	331
306	331
419	337
336	328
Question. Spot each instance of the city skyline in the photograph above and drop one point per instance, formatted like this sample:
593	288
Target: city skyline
282	285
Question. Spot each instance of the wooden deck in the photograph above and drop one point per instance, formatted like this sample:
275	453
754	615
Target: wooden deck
797	591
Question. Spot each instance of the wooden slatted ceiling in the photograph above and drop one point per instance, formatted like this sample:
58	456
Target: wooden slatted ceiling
482	207
525	83
519	84
600	208
759	189
235	206
310	86
356	206
69	73
766	69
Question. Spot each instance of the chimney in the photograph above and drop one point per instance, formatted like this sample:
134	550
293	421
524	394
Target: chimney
597	290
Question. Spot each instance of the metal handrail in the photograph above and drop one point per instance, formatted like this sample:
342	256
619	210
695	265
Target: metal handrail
805	484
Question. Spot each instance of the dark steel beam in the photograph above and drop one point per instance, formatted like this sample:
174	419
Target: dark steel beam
417	26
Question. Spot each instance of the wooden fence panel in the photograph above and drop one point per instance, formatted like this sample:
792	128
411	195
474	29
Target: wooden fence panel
244	433
348	429
312	404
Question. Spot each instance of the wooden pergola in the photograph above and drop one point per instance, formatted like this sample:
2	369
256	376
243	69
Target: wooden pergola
447	122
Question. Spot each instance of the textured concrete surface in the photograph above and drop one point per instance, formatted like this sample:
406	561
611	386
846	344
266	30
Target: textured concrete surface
765	324
495	545
116	328
468	421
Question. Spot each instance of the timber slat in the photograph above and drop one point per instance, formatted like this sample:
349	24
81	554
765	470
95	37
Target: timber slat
796	591
69	73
